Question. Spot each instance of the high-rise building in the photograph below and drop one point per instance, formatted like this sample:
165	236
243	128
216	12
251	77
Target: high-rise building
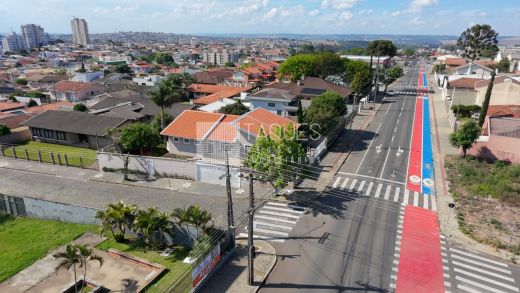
33	36
79	31
12	42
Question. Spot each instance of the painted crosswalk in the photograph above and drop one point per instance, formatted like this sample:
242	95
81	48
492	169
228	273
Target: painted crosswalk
274	221
390	191
468	271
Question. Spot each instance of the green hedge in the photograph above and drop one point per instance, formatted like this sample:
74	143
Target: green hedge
465	111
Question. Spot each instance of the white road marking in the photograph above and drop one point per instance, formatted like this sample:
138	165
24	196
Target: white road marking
484	272
393	136
283	210
467	289
416	198
278	214
371	177
366	152
378	190
336	182
369	188
286	205
387	192
351	188
360	188
478	257
244	235
495	290
465	259
270	232
406	194
275	219
344	183
396	196
425	201
271	225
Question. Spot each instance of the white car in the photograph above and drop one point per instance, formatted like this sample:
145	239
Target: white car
475	116
390	93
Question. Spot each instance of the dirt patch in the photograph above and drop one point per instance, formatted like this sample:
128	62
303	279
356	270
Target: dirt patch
487	196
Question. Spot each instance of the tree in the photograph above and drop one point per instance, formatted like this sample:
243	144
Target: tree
465	136
503	65
21	81
362	83
70	259
487	98
36	94
32	103
307	49
118	218
297	66
181	217
4	130
139	136
391	75
150	223
409	52
236	108
351	67
164	58
229	64
327	63
382	48
477	39
278	157
439	68
156	122
356	51
86	255
171	90
299	113
80	107
199	218
123	69
82	69
325	111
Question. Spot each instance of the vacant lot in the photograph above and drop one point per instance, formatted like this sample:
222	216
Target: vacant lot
88	156
487	196
173	262
23	241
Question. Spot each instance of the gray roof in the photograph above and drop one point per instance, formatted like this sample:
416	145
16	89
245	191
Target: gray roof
274	93
149	108
75	122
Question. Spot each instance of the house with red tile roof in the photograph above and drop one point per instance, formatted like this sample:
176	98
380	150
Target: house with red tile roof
500	135
10	106
203	134
74	91
506	91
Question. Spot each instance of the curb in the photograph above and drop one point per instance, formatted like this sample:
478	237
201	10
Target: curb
270	269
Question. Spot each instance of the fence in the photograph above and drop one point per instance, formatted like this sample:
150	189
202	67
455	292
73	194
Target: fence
47	156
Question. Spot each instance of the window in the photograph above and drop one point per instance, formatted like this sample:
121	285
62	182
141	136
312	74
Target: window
197	142
176	139
60	135
270	104
187	140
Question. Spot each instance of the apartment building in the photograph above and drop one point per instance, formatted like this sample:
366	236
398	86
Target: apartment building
220	57
79	31
33	36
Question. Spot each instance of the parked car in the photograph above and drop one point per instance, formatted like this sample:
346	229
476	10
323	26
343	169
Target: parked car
390	93
475	116
448	98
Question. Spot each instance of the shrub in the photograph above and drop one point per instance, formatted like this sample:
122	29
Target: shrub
4	130
465	111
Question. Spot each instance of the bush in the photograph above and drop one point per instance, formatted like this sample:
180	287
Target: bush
21	81
4	130
80	108
465	111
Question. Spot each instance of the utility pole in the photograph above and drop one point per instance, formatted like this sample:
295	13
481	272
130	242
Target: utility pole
231	221
250	246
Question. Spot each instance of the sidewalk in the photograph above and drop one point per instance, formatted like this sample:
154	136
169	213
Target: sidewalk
181	185
232	277
447	219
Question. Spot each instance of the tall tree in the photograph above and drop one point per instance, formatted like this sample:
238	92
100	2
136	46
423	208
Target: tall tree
390	75
327	63
139	136
171	90
297	66
325	111
236	108
487	98
307	49
199	218
477	39
351	67
151	223
299	113
118	218
465	136
362	83
70	258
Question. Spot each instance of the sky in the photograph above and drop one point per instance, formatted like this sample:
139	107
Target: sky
416	17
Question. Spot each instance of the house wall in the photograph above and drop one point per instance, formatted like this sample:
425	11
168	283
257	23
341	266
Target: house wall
497	148
463	96
98	142
278	108
181	148
43	209
474	71
162	166
505	93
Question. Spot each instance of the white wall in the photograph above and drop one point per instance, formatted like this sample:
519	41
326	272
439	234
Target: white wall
42	209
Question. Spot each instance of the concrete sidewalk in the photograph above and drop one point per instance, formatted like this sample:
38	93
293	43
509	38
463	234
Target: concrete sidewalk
442	147
181	185
232	277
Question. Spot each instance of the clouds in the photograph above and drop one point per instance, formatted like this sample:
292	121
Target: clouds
338	4
418	5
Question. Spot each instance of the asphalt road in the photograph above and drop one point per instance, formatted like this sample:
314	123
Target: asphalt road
347	243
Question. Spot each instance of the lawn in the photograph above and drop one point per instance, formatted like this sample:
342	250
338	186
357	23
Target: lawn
88	156
24	240
173	263
487	198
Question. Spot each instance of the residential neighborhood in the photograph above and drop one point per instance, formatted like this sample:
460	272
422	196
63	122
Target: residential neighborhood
268	146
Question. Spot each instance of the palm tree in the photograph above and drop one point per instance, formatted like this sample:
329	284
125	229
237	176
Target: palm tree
181	217
71	258
118	215
199	217
152	221
86	255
